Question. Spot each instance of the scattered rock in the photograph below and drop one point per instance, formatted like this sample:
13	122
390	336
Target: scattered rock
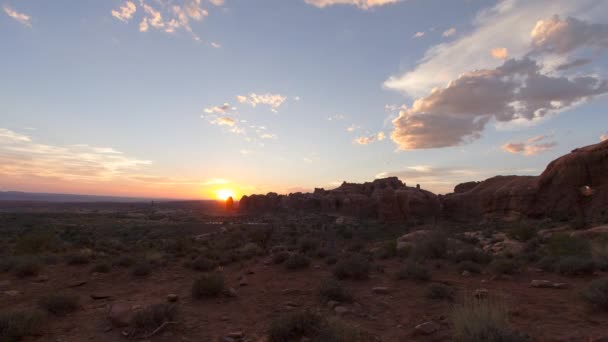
341	310
5	283
231	292
466	273
332	304
426	328
381	290
41	279
12	293
120	315
172	298
481	293
546	284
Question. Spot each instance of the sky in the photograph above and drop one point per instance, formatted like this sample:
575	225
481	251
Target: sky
209	98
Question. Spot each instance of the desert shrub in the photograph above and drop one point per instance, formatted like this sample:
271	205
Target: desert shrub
101	268
18	324
26	267
482	320
59	304
521	232
124	261
308	244
77	259
471	254
280	257
7	263
50	259
354	266
563	245
296	325
440	292
431	246
469	266
208	285
149	318
141	269
332	289
413	271
297	261
574	266
331	260
504	266
202	264
250	250
596	293
36	242
388	249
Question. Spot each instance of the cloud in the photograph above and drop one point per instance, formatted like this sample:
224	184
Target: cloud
336	117
362	4
352	128
530	147
579	62
217	2
366	140
500	53
437	179
562	36
418	34
449	32
216	45
274	101
604	137
224	121
508	24
125	12
517	90
219	109
381	136
20	156
20	17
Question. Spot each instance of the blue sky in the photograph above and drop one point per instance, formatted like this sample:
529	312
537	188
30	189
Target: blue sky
100	97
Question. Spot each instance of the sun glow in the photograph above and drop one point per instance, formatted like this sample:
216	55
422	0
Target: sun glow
224	194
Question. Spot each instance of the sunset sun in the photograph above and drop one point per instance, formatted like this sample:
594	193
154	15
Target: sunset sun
224	194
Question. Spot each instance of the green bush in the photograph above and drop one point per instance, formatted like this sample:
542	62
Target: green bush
202	264
469	266
148	319
596	293
297	261
77	259
208	285
307	324
250	250
575	266
59	304
331	260
471	254
355	266
26	267
16	325
280	257
332	289
504	266
101	268
308	244
387	250
563	245
36	242
413	271
141	269
124	261
521	232
439	291
431	246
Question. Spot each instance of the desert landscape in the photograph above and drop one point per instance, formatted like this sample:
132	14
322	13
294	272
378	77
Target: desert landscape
506	259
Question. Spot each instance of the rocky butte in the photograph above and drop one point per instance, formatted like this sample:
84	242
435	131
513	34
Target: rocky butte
572	186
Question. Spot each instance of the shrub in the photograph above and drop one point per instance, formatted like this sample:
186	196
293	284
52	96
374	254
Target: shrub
141	269
16	325
504	266
331	289
547	263
431	246
280	257
77	259
440	292
354	266
124	261
101	268
7	263
388	249
469	266
59	304
482	320
597	293
565	245
308	244
250	250
473	255
26	267
331	260
413	271
148	319
36	242
574	266
296	325
297	261
202	264
521	232
208	285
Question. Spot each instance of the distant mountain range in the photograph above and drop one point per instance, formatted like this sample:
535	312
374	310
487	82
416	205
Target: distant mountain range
71	198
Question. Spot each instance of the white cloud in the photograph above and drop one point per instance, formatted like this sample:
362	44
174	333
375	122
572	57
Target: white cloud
516	90
224	121
366	140
336	117
381	136
508	25
562	36
418	34
20	17
530	147
352	128
217	2
363	4
216	45
604	137
274	101
449	32
219	109
125	12
499	53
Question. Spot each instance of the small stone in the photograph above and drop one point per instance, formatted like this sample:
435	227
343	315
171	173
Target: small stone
426	328
481	293
120	315
542	284
560	286
341	310
332	304
172	298
12	293
41	278
466	273
5	283
292	304
236	335
243	282
231	292
381	290
317	267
